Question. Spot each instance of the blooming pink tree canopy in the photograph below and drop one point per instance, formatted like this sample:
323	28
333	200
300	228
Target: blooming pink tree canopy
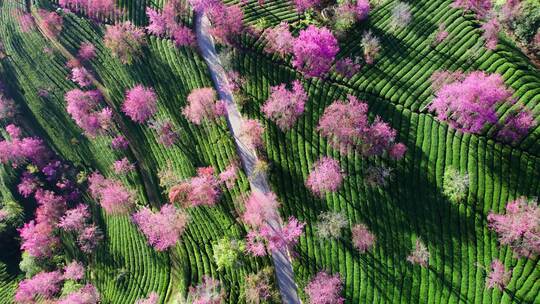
325	288
167	134
420	254
371	46
51	22
285	236
362	9
227	22
91	7
260	207
279	40
229	176
45	284
74	271
469	105
125	41
164	228
81	76
498	277
519	227
325	176
85	108
491	33
111	194
362	238
285	106
303	5
153	298
251	133
26	22
89	238
202	106
140	103
517	125
314	51
345	124
480	7
38	239
88	294
201	190
87	51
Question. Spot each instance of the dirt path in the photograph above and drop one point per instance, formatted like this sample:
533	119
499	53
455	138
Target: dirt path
248	156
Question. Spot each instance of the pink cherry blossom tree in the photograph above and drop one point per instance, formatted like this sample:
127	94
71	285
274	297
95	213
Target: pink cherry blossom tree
480	7
279	40
303	5
285	106
164	228
202	106
119	143
362	238
85	108
420	254
498	277
469	105
93	8
260	207
325	176
167	133
229	176
314	51
113	196
282	237
209	291
45	284
153	298
251	133
490	33
140	103
51	207
125	41
38	239
123	166
51	22
362	9
346	125
89	238
516	125
255	244
88	294
74	271
519	227
26	22
81	76
325	288
401	15
227	22
201	190
87	51
347	67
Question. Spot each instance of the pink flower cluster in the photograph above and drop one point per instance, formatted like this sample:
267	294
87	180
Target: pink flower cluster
347	67
153	298
480	7
27	23
517	125
362	238
87	51
51	22
491	33
18	150
140	103
203	106
74	271
125	41
498	277
279	40
519	227
45	284
162	229
346	125
166	131
229	176
251	133
201	190
325	288
164	24
123	166
91	7
85	108
227	22
88	294
285	106
81	76
38	239
111	194
303	5
282	237
259	207
325	176
470	104
314	51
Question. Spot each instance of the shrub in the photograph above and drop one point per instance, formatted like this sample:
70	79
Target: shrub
282	237
527	24
208	291
314	51
81	76
480	7
11	215
87	51
325	288
229	176
401	15
371	46
30	265
75	219
227	252
125	41
330	225
285	106
227	22
325	176
123	166
455	185
255	244
167	134
26	22
89	238
140	103
347	67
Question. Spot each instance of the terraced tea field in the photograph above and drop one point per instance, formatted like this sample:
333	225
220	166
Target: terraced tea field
397	88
